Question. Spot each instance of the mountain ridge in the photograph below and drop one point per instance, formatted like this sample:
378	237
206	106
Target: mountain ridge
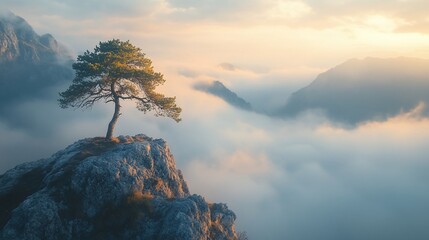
19	42
32	67
358	91
218	89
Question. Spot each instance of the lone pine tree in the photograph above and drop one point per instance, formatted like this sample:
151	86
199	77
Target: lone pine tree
116	71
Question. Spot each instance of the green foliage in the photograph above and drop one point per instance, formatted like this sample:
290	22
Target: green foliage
114	71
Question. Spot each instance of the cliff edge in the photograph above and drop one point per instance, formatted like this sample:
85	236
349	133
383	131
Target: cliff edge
93	189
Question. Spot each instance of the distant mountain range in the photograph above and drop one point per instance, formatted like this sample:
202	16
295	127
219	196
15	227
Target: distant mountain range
30	65
32	68
358	91
218	89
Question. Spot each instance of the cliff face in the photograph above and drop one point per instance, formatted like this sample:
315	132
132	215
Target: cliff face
102	190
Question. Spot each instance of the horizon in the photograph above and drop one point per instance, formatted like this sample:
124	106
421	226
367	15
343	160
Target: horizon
302	177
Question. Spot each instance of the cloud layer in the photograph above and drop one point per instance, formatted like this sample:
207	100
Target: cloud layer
296	179
320	182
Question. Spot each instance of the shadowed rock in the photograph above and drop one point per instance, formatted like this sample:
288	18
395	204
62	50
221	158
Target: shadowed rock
93	189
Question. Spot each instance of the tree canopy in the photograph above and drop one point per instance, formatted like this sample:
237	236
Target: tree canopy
115	71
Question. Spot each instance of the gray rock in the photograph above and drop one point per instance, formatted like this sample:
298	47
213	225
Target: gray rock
95	189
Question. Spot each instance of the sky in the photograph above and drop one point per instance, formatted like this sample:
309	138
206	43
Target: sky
301	178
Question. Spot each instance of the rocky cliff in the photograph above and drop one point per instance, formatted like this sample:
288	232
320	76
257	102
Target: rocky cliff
93	189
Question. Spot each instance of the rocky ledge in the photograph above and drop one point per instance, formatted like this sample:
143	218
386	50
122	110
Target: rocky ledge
93	189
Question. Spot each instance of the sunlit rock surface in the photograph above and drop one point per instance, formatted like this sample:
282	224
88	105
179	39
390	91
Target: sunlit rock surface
129	189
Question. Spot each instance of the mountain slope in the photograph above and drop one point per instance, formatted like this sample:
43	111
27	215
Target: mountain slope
371	89
31	66
217	88
103	190
19	42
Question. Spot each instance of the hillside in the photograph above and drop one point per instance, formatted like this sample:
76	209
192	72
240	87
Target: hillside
358	91
31	66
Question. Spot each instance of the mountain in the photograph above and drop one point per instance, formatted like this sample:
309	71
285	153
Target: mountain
217	88
358	91
31	66
93	189
20	43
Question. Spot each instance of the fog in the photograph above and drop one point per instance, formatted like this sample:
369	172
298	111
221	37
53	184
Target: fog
304	178
298	178
322	182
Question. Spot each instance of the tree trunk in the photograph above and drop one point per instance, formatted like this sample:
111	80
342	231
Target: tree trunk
116	114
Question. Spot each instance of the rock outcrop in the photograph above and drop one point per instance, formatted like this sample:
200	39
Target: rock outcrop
93	189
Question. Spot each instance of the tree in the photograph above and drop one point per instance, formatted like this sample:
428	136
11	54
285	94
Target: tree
116	71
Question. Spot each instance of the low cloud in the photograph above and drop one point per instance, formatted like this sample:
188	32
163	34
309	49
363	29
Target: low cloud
227	67
302	174
38	128
301	178
338	183
282	178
